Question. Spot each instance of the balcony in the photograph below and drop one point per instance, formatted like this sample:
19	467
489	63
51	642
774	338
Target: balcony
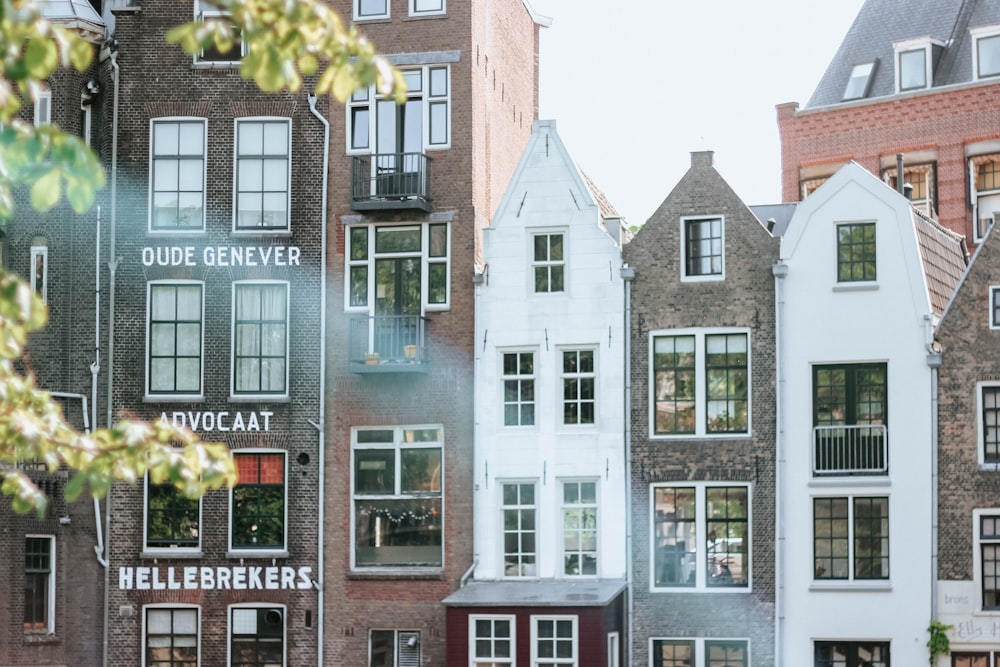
850	450
388	344
391	181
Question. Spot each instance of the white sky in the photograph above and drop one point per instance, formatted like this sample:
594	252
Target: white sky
636	85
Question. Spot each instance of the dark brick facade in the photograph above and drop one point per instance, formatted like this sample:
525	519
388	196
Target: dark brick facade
661	301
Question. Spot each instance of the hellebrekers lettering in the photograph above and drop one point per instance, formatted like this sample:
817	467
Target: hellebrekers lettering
145	578
222	256
219	421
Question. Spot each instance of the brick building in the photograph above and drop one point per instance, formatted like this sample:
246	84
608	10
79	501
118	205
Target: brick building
922	81
702	412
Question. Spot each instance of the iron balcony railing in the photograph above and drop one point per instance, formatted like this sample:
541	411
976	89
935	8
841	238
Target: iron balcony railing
388	342
390	181
850	450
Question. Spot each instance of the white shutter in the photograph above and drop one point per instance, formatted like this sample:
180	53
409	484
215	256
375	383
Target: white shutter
408	646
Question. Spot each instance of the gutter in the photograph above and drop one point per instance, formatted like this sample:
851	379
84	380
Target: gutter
628	275
934	363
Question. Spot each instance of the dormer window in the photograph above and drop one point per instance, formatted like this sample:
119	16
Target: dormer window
915	63
860	81
986	54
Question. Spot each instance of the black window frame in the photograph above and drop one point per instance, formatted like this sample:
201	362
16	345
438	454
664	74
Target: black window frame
178	654
253	525
850	650
257	649
182	517
862	553
700	264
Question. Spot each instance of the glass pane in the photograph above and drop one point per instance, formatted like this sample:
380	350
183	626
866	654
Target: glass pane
165	139
251	138
276	138
421	470
438	123
192	138
374	471
438	75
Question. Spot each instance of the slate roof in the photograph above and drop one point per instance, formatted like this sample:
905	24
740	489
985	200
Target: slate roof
880	23
944	257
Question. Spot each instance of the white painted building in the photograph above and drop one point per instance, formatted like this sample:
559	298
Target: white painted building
855	309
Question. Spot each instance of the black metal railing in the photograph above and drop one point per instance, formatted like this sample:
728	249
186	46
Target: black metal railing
388	340
850	450
390	180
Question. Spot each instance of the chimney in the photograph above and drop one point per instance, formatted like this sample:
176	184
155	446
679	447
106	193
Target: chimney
701	158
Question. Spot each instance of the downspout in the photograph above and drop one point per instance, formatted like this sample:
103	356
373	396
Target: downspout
628	275
321	427
934	362
780	272
99	548
95	368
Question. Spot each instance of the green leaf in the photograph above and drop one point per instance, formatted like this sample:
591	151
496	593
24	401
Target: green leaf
41	57
75	486
45	191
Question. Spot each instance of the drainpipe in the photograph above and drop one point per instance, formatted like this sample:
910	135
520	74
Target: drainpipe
321	427
99	548
780	272
934	362
95	368
628	275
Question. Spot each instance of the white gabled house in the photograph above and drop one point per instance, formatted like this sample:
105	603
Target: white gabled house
862	280
550	483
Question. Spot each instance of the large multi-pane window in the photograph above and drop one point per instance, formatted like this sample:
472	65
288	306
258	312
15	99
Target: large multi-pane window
700	653
851	538
518	380
851	654
394	648
850	405
548	263
985	192
258	501
554	641
257	637
519	512
39	584
701	383
701	536
175	338
263	173
856	252
398	496
173	520
492	640
578	385
399	133
177	175
989	559
975	659
579	522
703	248
989	423
171	637
260	338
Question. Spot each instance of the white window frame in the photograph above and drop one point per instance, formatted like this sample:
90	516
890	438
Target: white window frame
492	661
43	107
519	378
538	661
987	32
706	277
50	615
171	606
429	99
548	263
234	393
40	253
172	549
988	199
177	157
414	11
578	532
263	551
530	570
860	72
164	396
701	532
852	580
358	16
206	10
925	44
284	224
700	657
397	445
578	375
701	386
614	649
230	630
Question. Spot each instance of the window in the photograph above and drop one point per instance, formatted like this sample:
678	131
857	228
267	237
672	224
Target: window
912	69
989	425
394	648
177	175
859	81
171	637
426	7
39	584
492	640
371	9
977	659
172	520
578	381
986	54
703	248
852	654
856	252
397	496
258	501
213	54
257	636
994	307
262	174
518	388
397	131
988	529
719	559
260	338
175	338
700	653
701	383
548	263
985	176
919	182
851	538
850	406
519	529
39	267
43	107
553	641
579	519
398	270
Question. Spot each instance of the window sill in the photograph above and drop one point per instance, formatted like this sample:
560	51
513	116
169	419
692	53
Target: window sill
880	586
415	574
257	553
880	481
424	17
173	398
262	398
266	233
373	19
860	286
713	278
41	637
705	590
173	232
227	65
699	436
170	554
989	467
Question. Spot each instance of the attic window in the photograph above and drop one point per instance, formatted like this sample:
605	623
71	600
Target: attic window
986	54
915	60
857	85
